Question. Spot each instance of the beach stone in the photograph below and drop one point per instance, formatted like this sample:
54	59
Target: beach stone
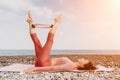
108	61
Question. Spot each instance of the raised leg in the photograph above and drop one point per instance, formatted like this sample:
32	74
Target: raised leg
48	45
44	58
37	44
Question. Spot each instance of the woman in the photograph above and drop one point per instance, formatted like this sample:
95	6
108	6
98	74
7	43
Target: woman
43	61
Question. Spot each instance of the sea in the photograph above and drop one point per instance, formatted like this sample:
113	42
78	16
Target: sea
59	52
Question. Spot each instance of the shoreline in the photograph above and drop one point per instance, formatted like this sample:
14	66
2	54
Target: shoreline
5	52
72	54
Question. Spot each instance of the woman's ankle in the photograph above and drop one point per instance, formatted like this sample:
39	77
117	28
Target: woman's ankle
33	26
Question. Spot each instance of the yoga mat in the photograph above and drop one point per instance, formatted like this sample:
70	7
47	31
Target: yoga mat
17	67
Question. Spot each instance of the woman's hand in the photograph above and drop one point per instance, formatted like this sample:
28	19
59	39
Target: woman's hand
30	70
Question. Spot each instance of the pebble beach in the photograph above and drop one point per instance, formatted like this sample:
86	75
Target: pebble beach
112	61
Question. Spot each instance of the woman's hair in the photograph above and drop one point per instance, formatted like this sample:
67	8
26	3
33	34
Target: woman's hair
88	66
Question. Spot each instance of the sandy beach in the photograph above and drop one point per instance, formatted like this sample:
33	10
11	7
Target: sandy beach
105	60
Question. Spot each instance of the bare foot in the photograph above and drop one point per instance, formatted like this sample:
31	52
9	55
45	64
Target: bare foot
29	19
58	18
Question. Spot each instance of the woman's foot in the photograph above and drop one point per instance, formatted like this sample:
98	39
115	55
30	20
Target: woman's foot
58	18
29	20
55	25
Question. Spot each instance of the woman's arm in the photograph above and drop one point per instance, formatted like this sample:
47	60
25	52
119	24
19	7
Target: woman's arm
64	67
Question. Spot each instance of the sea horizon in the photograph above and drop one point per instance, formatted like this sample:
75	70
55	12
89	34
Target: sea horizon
17	52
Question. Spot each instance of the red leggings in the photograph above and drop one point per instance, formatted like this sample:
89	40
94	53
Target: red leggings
42	53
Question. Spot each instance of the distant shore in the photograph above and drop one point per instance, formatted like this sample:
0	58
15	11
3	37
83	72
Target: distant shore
60	52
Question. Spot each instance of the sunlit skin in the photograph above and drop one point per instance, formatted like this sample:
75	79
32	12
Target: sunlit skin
57	64
60	64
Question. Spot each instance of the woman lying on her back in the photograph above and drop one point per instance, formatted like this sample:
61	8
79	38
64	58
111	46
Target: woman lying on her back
44	63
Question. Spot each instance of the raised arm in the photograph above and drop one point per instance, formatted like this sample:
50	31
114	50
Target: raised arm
64	67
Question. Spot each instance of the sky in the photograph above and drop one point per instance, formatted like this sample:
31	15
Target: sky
86	24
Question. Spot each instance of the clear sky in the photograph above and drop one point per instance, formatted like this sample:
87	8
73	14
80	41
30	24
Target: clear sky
86	24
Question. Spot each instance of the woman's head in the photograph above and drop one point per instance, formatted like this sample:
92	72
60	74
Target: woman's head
85	64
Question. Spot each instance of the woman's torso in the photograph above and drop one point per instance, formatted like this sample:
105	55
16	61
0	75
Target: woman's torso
60	61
